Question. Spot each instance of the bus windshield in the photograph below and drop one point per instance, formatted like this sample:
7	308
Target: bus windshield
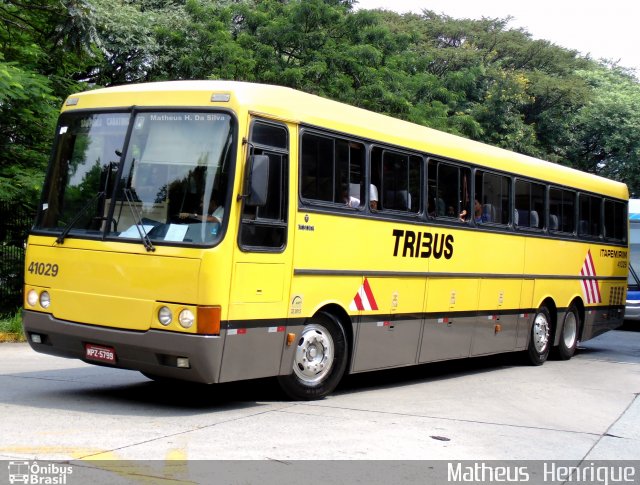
168	184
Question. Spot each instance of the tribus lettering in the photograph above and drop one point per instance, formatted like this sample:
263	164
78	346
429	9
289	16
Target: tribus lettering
422	244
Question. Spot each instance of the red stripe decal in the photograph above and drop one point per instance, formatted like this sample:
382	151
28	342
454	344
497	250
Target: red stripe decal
369	293
358	302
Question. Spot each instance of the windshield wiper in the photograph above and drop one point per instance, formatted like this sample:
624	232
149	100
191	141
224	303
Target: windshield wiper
77	217
137	219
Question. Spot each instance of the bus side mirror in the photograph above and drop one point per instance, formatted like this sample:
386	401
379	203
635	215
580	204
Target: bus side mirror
257	180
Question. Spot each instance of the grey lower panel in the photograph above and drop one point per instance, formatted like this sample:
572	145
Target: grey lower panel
598	321
386	343
288	354
153	352
494	333
446	338
254	352
524	330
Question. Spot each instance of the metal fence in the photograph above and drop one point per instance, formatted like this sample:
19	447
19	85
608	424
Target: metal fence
15	221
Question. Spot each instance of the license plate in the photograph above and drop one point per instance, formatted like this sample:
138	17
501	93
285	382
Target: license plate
100	353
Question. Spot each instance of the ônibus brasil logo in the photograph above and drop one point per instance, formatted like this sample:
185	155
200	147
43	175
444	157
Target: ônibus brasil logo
36	474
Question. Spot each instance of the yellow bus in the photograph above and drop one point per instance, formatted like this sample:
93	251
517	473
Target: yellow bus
215	231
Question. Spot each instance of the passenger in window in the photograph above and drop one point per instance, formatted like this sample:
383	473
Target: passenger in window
478	215
215	212
373	197
451	212
349	199
441	207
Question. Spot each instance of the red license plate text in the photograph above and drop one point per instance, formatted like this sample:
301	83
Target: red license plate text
100	353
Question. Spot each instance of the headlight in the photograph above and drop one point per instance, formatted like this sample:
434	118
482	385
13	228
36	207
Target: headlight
165	316
186	318
45	299
32	297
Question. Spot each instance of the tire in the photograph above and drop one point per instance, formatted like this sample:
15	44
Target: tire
320	359
569	336
540	337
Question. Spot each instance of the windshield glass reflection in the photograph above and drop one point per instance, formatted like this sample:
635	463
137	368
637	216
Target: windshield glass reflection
171	187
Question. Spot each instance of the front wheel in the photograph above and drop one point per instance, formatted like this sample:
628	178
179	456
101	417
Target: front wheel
540	337
569	337
320	359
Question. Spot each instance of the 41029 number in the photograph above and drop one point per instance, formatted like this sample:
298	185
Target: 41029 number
43	269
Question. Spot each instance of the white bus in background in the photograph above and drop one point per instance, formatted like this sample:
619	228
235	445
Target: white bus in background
632	310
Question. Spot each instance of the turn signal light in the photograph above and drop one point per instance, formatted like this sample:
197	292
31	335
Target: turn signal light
290	338
209	320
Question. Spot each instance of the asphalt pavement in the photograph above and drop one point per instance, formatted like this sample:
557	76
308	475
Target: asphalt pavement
490	408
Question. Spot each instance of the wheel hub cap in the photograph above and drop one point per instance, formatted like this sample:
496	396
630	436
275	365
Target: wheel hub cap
540	333
314	355
570	330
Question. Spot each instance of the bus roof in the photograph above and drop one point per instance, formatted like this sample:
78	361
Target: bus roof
289	104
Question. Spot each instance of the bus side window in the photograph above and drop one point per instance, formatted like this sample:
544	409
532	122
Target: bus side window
492	192
350	158
453	192
317	165
562	205
331	170
615	218
530	205
589	216
401	175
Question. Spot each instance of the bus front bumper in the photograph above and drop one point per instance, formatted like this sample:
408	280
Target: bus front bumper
154	352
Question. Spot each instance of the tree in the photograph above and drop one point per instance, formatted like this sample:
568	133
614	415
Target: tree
476	78
607	128
41	45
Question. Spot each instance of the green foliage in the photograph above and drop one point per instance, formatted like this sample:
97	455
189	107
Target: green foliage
40	42
607	128
476	78
11	269
26	121
11	323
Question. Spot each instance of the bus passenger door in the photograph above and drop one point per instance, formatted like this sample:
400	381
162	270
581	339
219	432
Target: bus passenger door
262	267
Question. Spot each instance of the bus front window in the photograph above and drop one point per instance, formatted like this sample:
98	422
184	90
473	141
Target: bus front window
171	187
82	171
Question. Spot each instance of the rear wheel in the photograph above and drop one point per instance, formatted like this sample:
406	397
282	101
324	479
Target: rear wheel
540	338
320	359
569	337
